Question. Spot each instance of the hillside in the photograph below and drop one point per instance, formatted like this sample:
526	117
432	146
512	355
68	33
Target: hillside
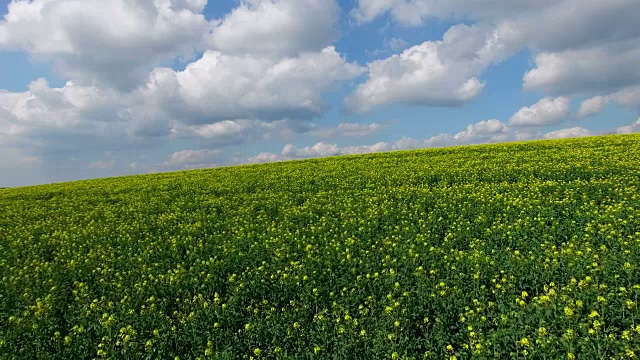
493	251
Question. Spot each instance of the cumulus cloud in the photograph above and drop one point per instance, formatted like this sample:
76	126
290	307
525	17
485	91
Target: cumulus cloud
220	86
628	129
568	133
579	46
235	132
347	130
213	89
276	28
600	69
486	130
111	43
415	12
320	149
265	157
186	158
43	118
592	106
546	111
395	44
434	73
365	149
627	97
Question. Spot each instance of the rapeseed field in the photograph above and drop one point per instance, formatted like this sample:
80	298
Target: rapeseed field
524	250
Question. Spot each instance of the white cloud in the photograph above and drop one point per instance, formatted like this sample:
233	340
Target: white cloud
220	86
347	130
395	44
320	149
415	12
628	129
520	135
276	28
568	133
585	70
192	157
266	157
592	106
102	42
627	97
486	130
365	149
434	73
579	46
44	118
234	132
546	111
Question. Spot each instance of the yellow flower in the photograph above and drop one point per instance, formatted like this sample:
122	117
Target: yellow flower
569	333
568	311
596	324
630	353
630	304
626	335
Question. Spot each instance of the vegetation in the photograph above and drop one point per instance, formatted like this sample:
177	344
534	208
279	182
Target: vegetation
525	250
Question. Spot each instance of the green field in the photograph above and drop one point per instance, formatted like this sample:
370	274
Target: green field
523	250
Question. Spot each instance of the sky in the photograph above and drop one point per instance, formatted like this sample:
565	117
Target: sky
101	88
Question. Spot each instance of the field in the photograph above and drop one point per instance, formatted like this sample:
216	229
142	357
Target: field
523	250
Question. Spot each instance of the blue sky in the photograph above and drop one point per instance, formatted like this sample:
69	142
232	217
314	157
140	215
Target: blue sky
98	88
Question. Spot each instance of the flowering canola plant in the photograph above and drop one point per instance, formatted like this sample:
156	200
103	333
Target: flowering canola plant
521	250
